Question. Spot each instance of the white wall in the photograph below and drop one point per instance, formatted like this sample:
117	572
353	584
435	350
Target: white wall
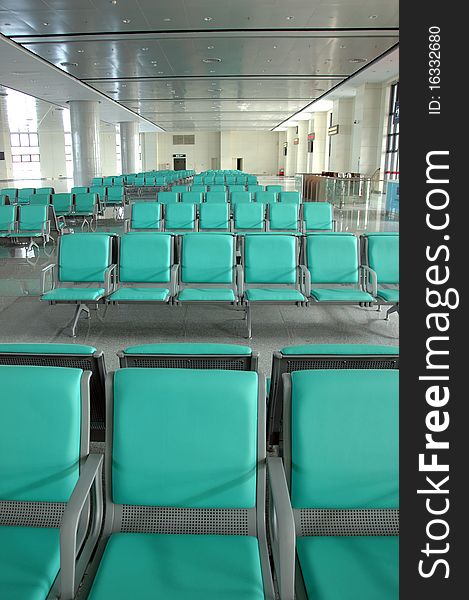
149	144
6	171
258	149
107	143
198	156
52	153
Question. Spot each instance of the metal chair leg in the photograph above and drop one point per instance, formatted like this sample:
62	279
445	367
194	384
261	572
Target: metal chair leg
78	311
394	308
248	321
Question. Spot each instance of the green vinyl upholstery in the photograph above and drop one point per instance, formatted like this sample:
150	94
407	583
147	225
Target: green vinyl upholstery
383	256
360	408
62	204
332	258
29	562
207	295
218	187
7	219
47	349
194	465
192	197
39	199
145	257
273	295
168	197
341	295
180	188
145	215
274	188
183	348
249	217
100	191
388	295
26	192
74	294
80	189
317	216
284	217
86	204
350	568
270	259
115	195
339	349
207	258
290	197
39	432
178	567
240	197
45	190
32	218
198	187
214	216
266	197
180	216
215	197
10	192
84	257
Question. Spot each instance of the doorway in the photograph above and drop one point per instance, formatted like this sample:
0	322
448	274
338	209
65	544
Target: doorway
179	164
239	164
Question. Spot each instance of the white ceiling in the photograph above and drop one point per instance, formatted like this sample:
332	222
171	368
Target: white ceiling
149	56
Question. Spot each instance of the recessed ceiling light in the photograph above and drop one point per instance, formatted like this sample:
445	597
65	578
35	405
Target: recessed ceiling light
80	51
357	60
373	17
45	23
123	85
126	21
211	60
144	49
210	47
68	64
342	46
290	18
167	20
114	2
208	18
211	71
160	72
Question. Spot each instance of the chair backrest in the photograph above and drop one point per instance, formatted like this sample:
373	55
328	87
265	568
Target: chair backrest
240	179
240	197
80	189
108	181
214	216
266	197
236	188
62	203
7	217
120	180
207	258
84	257
168	197
341	445
97	181
198	187
180	217
291	197
26	192
274	188
115	193
332	258
12	193
86	203
145	257
150	180
145	215
40	199
4	199
382	255
254	187
317	216
218	187
180	188
192	197
249	217
192	465
215	197
270	258
41	412
32	217
45	190
284	217
100	190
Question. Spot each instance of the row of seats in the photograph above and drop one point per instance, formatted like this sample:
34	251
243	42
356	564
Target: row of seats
186	508
148	178
234	197
216	177
253	188
30	222
155	216
325	268
12	195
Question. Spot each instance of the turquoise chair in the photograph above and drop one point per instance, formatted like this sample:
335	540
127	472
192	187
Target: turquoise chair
108	181
214	217
251	180
198	188
216	197
63	204
340	472
180	217
161	180
185	507
180	188
218	188
192	197
317	216
249	217
12	194
139	180
238	197
150	181
320	356
207	272
189	356
39	199
86	206
33	224
83	258
283	217
45	190
271	272
290	197
80	189
115	196
333	258
381	264
101	191
274	188
97	181
7	220
144	216
4	199
254	187
266	197
47	477
168	197
77	356
24	194
145	269
120	180
236	188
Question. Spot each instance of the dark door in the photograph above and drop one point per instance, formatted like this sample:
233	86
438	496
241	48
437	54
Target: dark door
179	164
239	164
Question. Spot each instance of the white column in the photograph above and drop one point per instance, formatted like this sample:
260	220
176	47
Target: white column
6	166
282	138
341	143
129	146
150	151
319	146
290	166
302	154
371	129
84	119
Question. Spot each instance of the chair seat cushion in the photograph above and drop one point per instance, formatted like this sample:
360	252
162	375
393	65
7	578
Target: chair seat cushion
206	295
341	295
388	294
27	234
178	567
339	349
29	562
273	295
74	294
47	349
140	294
183	348
347	568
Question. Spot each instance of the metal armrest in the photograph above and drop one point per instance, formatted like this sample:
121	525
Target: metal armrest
282	528
50	268
334	225
305	280
174	286
90	477
370	275
126	225
45	228
240	279
110	279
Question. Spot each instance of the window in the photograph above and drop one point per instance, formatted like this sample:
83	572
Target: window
24	147
391	165
183	140
68	143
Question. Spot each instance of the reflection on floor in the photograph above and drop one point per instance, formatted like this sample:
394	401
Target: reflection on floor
23	318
